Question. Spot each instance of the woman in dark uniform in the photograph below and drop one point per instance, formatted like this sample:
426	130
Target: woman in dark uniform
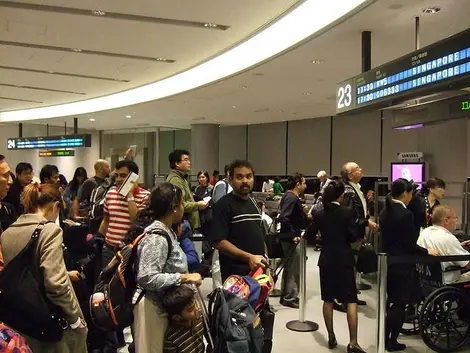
423	203
336	261
397	228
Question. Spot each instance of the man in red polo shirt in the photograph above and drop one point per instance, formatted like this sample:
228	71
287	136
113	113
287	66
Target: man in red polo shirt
120	211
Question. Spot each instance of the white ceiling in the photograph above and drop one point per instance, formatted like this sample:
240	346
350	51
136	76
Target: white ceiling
187	45
276	91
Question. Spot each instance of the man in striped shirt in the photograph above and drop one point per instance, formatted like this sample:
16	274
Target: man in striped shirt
120	211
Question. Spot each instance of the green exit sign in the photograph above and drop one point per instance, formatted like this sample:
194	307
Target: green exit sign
465	105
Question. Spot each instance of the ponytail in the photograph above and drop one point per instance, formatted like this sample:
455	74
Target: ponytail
388	202
332	192
36	196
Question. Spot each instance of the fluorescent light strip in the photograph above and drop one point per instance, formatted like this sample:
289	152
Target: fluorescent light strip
305	20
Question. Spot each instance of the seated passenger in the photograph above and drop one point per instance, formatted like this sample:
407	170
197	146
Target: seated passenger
439	236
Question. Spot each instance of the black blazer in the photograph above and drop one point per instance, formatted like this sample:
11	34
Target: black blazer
417	206
338	231
353	202
398	232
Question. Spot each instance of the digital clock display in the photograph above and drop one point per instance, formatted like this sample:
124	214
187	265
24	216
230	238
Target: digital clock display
68	141
445	62
465	106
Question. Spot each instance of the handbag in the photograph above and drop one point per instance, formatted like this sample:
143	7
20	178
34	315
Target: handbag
24	305
273	242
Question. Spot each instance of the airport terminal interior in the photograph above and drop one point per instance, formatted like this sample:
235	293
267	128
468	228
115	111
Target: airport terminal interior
303	158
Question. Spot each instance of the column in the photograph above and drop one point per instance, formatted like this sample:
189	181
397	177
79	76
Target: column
204	147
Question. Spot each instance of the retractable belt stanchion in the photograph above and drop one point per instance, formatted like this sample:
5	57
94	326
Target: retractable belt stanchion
302	325
381	302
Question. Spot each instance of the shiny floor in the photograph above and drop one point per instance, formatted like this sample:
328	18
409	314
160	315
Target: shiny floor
290	341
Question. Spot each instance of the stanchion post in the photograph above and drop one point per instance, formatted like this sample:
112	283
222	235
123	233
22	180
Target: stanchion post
301	325
381	302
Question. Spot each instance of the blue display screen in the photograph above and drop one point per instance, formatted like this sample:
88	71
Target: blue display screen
430	72
49	142
442	65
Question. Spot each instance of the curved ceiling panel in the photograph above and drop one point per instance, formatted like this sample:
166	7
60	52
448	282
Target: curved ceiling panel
303	21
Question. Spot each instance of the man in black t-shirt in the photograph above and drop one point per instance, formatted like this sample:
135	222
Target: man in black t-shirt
82	202
237	225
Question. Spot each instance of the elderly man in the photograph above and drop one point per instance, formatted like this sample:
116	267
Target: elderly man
355	200
324	180
439	236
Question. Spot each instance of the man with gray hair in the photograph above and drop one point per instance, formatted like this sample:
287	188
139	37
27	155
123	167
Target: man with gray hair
324	180
439	236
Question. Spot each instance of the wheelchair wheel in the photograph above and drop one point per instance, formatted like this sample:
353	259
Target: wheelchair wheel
441	327
411	324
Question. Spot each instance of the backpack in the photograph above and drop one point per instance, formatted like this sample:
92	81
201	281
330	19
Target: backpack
111	304
97	198
24	305
12	342
234	325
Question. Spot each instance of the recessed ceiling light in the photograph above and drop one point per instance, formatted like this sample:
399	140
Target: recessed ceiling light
128	116
280	111
307	93
210	25
244	87
76	50
317	61
184	102
92	119
51	72
98	13
431	10
234	106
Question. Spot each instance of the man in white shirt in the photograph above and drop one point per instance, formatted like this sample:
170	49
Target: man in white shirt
439	236
324	180
267	185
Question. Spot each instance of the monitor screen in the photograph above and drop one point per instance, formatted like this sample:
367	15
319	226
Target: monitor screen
408	171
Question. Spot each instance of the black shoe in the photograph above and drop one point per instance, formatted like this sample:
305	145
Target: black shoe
332	343
339	307
355	349
395	346
361	302
290	304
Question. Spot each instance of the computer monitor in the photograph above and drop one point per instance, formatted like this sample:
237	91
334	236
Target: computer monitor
408	171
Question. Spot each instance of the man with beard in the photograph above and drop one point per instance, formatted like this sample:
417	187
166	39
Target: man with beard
237	225
238	232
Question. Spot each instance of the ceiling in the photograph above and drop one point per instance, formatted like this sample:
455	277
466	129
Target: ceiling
289	87
58	51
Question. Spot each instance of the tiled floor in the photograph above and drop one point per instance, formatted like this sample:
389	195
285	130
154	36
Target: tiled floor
289	341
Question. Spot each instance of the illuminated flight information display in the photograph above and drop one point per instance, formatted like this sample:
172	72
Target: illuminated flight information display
45	142
424	71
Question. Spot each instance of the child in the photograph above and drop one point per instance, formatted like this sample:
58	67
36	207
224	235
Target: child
185	331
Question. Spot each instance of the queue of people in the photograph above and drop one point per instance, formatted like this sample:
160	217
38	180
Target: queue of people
167	267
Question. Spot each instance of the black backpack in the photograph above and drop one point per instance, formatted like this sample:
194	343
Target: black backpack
97	198
24	305
111	304
231	321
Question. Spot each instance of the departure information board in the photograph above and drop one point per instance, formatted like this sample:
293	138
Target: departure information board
421	72
45	142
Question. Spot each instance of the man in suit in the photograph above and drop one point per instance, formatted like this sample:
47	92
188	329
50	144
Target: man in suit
355	200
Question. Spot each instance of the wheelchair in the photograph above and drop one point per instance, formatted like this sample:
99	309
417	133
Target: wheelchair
444	316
